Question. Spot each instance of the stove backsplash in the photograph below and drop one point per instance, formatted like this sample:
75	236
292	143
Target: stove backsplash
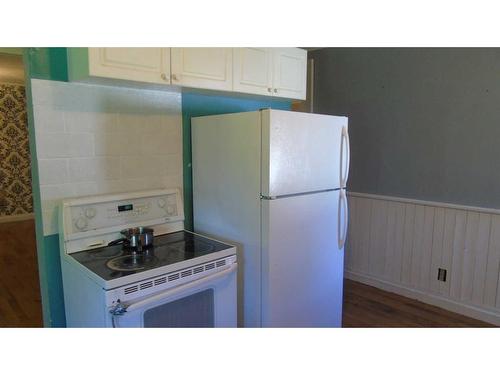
94	139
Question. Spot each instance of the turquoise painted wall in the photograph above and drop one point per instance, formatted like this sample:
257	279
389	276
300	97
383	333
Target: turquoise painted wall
194	105
54	281
45	63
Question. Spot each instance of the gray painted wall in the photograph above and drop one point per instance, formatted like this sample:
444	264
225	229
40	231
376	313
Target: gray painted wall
423	123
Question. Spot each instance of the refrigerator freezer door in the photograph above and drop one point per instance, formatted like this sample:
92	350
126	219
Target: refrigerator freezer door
301	152
302	265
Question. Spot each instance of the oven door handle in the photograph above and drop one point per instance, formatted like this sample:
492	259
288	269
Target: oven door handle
181	288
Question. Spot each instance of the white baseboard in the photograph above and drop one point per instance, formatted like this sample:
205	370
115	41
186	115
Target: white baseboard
457	307
13	218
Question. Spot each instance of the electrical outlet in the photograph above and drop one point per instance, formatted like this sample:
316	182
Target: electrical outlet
442	274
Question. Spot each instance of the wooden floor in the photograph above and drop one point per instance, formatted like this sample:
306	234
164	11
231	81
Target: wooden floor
20	302
366	306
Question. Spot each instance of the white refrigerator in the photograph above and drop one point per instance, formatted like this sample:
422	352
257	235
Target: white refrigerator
273	182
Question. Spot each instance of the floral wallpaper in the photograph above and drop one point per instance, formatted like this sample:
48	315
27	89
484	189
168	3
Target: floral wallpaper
15	172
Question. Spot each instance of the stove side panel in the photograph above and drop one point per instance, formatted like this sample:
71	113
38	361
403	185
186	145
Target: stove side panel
84	300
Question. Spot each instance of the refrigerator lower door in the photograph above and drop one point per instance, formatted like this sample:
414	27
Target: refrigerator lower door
302	264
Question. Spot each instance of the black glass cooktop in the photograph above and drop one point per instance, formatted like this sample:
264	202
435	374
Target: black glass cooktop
112	262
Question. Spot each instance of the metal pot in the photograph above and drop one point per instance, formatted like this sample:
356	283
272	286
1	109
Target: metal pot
136	238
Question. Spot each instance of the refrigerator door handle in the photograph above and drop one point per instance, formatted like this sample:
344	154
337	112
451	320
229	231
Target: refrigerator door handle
342	219
345	157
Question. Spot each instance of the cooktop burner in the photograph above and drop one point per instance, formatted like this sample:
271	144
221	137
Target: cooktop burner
116	261
132	262
106	253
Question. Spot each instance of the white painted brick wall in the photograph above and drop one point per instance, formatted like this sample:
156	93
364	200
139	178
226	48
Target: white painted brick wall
95	139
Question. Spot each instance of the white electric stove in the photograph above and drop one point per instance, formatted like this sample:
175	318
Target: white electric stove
182	280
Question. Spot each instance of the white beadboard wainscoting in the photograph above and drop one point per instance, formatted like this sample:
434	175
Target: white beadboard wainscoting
399	244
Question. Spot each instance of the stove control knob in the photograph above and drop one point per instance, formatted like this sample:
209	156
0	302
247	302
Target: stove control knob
170	209
90	212
81	223
161	202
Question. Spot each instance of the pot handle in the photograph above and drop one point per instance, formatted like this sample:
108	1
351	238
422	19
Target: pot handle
118	241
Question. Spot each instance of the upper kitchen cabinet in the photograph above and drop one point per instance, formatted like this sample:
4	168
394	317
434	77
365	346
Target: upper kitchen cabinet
150	65
253	70
278	72
270	71
206	68
290	72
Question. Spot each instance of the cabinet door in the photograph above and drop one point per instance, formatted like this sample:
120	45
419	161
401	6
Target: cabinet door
253	70
134	64
208	68
290	71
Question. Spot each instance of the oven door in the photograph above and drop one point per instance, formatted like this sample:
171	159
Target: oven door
206	302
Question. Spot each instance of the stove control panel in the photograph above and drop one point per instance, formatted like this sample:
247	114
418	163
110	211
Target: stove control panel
133	211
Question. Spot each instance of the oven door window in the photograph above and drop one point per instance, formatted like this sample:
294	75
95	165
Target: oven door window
195	310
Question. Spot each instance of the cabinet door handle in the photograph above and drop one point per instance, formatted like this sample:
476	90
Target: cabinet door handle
164	76
269	89
174	77
275	91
